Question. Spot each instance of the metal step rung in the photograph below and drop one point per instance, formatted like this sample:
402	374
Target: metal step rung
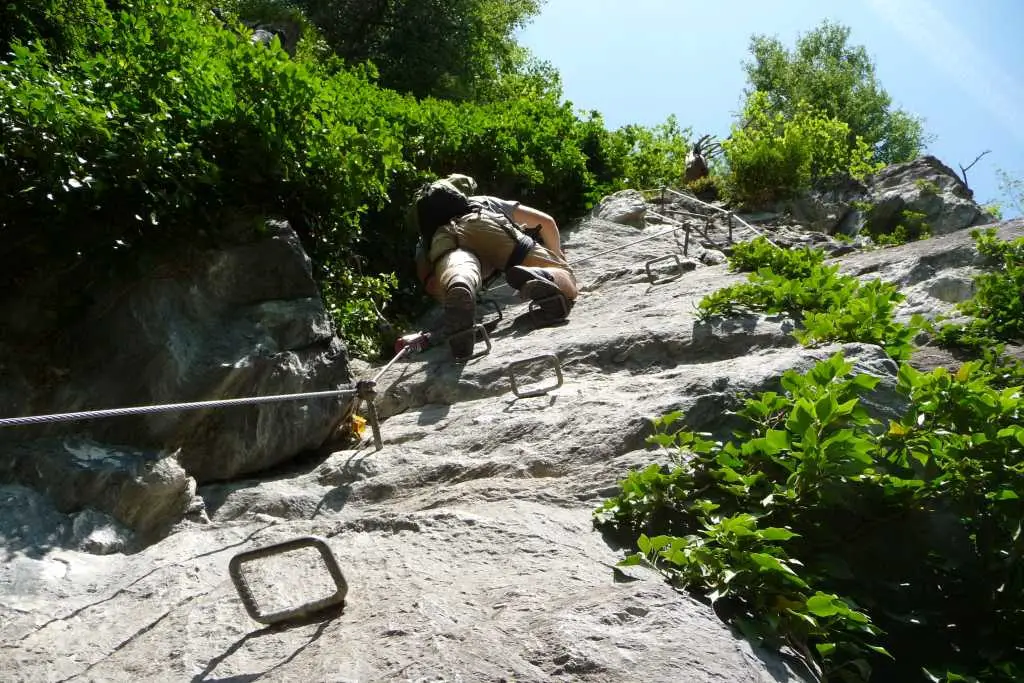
540	317
304	610
472	331
653	278
511	368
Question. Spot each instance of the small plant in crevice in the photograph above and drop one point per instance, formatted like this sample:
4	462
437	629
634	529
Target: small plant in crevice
926	187
877	551
997	308
910	226
993	210
831	306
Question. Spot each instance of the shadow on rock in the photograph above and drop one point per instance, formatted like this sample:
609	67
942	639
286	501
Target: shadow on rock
335	500
527	404
432	414
325	616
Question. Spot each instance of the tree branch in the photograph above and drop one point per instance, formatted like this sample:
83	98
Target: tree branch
963	171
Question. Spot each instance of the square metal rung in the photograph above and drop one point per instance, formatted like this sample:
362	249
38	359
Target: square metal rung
482	329
540	316
497	317
539	391
303	610
653	278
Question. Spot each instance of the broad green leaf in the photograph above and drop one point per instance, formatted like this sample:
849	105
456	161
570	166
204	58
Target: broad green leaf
823	605
777	440
775	534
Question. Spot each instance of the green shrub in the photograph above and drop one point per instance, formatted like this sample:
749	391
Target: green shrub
655	156
887	549
759	253
173	127
993	210
706	188
67	29
772	157
996	308
832	307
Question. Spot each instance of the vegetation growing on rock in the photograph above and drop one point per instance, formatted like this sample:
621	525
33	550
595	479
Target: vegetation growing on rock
881	550
134	127
832	306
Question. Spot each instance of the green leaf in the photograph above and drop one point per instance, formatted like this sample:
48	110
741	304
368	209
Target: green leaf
776	440
823	605
825	649
775	534
644	544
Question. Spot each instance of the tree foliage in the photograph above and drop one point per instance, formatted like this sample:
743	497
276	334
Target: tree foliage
838	79
451	49
772	156
171	128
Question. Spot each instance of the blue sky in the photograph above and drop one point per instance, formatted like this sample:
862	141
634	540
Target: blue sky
958	64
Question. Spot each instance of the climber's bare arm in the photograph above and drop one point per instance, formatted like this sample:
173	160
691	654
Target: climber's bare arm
525	215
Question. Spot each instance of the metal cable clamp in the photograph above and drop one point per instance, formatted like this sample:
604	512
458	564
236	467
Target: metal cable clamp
304	610
511	368
366	390
652	278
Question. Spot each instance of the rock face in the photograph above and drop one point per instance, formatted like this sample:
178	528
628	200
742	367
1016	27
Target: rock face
926	186
147	492
240	321
626	207
467	541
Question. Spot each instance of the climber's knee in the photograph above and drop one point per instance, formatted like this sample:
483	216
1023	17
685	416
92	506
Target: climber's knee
458	267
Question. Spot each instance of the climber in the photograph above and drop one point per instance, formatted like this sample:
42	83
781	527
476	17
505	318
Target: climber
546	230
463	241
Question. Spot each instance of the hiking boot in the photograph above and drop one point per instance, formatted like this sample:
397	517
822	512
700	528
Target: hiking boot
536	284
459	316
517	276
552	305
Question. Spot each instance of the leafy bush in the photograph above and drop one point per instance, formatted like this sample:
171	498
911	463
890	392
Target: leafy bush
834	307
759	253
655	156
706	188
67	29
170	129
993	210
773	157
996	307
891	549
